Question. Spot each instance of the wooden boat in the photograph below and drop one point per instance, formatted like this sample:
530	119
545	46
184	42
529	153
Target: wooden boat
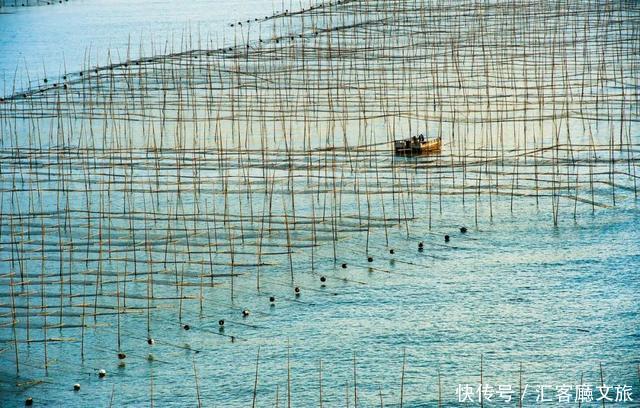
416	146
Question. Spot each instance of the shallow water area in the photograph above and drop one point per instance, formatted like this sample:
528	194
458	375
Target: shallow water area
230	226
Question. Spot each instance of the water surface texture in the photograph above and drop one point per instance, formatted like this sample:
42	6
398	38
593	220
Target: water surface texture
222	221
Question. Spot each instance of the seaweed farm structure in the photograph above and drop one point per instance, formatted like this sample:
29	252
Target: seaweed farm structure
9	4
150	195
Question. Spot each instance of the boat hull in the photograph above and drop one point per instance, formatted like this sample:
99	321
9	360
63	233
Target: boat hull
417	148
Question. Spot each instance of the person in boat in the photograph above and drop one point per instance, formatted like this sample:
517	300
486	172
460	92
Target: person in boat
421	138
414	139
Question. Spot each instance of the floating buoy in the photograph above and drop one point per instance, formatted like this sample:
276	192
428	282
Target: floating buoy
297	290
221	322
150	341
45	80
323	279
122	356
370	259
463	230
344	266
102	373
392	251
420	245
272	299
245	313
186	327
76	387
28	401
446	238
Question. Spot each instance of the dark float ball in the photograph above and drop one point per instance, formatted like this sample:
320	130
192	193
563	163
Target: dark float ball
323	279
245	313
28	402
370	259
272	299
344	266
122	356
463	230
150	341
447	238
76	387
297	290
221	322
392	251
186	327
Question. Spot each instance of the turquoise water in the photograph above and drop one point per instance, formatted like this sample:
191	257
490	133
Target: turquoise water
48	41
514	290
558	300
